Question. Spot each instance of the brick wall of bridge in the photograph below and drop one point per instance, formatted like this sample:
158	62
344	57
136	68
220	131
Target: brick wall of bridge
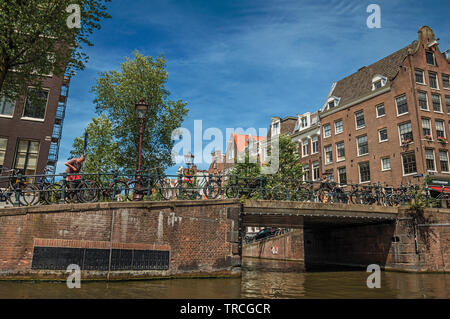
288	246
396	246
201	237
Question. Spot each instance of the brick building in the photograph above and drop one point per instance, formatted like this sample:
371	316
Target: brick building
30	128
389	122
307	134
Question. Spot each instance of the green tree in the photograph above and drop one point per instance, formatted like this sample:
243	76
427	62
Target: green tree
36	40
117	92
289	160
102	149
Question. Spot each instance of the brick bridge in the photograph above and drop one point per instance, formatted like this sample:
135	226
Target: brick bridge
139	240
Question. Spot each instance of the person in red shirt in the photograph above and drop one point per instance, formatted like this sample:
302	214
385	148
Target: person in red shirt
74	166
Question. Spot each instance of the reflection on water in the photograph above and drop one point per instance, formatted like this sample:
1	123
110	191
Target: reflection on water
260	279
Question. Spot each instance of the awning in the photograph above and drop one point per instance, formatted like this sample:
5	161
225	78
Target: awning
439	184
439	188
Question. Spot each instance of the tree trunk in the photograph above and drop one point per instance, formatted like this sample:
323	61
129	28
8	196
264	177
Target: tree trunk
3	72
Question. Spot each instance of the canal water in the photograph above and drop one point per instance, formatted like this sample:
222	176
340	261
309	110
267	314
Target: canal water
260	279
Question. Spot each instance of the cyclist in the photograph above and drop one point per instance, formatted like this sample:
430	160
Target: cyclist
73	167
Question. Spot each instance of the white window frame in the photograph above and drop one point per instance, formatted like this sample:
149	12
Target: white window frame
430	127
325	154
305	142
437	80
442	79
423	76
396	105
23	117
324	130
340	159
339	175
335	127
376	109
440	166
403	164
382	164
434	160
315	140
434	58
359	172
426	98
443	126
440	102
379	135
314	166
378	78
400	136
356	120
357	145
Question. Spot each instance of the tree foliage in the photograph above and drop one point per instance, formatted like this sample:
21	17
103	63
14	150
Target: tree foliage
36	40
142	77
102	149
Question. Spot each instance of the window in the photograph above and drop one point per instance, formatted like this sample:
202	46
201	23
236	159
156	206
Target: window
359	116
440	130
433	80
383	135
409	163
305	172
402	105
423	100
305	148
315	144
405	131
447	103
436	98
430	57
342	174
328	154
315	171
27	156
329	173
446	81
340	151
443	158
429	157
331	104
339	128
327	130
377	84
275	128
35	104
6	107
304	122
380	110
363	146
386	164
419	76
364	172
426	127
3	143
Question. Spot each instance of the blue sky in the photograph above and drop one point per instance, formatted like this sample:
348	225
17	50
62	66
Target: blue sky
239	62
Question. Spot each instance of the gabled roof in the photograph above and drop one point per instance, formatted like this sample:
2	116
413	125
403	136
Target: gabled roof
359	84
241	141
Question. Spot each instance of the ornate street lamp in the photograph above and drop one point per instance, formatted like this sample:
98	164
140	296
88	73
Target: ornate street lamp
141	111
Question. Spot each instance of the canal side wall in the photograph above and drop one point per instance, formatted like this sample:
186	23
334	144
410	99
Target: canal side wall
136	240
416	242
288	246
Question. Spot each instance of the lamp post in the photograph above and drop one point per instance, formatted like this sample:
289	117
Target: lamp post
141	110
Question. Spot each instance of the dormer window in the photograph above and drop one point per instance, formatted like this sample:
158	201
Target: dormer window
303	122
275	128
378	81
333	102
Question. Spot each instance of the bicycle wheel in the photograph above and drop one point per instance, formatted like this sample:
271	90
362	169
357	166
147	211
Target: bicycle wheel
301	194
355	198
231	192
88	191
165	189
29	195
212	190
51	194
118	191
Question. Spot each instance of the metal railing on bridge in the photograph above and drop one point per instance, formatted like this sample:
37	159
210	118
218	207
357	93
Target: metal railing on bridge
28	190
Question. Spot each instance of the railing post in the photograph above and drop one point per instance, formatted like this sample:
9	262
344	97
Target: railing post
261	196
63	188
180	185
149	187
287	189
18	189
237	185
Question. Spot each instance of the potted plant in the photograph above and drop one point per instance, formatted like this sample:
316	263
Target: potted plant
442	140
428	137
